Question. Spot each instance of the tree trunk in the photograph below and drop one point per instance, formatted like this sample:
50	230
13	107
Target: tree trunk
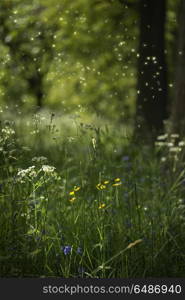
151	103
36	88
178	106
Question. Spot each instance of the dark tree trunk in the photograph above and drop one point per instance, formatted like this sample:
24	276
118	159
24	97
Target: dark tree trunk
151	104
178	107
36	88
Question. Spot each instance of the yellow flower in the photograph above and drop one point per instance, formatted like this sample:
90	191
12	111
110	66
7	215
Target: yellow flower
117	184
117	179
72	199
76	188
100	186
72	193
101	206
106	181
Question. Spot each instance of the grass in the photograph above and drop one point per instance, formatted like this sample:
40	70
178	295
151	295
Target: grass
85	201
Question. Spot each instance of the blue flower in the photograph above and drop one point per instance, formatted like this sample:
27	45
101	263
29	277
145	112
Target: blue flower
128	224
67	249
125	158
79	250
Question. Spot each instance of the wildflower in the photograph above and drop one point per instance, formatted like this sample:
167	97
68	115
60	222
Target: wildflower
106	181
117	184
125	158
24	172
29	172
48	169
76	188
100	186
101	206
159	144
72	199
170	144
79	250
175	149
181	144
39	159
162	137
34	132
175	135
72	193
181	201
163	159
128	224
67	249
7	131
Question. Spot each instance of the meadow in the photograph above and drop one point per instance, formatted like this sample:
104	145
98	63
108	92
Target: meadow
85	200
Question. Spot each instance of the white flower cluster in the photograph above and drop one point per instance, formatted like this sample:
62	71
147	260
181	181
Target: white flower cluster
29	172
7	132
48	169
32	172
171	144
39	159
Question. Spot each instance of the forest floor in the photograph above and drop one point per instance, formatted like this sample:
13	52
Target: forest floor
81	199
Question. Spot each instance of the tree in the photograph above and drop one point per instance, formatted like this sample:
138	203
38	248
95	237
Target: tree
28	39
99	39
151	104
178	106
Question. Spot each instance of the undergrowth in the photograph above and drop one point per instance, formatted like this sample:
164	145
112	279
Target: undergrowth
89	202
